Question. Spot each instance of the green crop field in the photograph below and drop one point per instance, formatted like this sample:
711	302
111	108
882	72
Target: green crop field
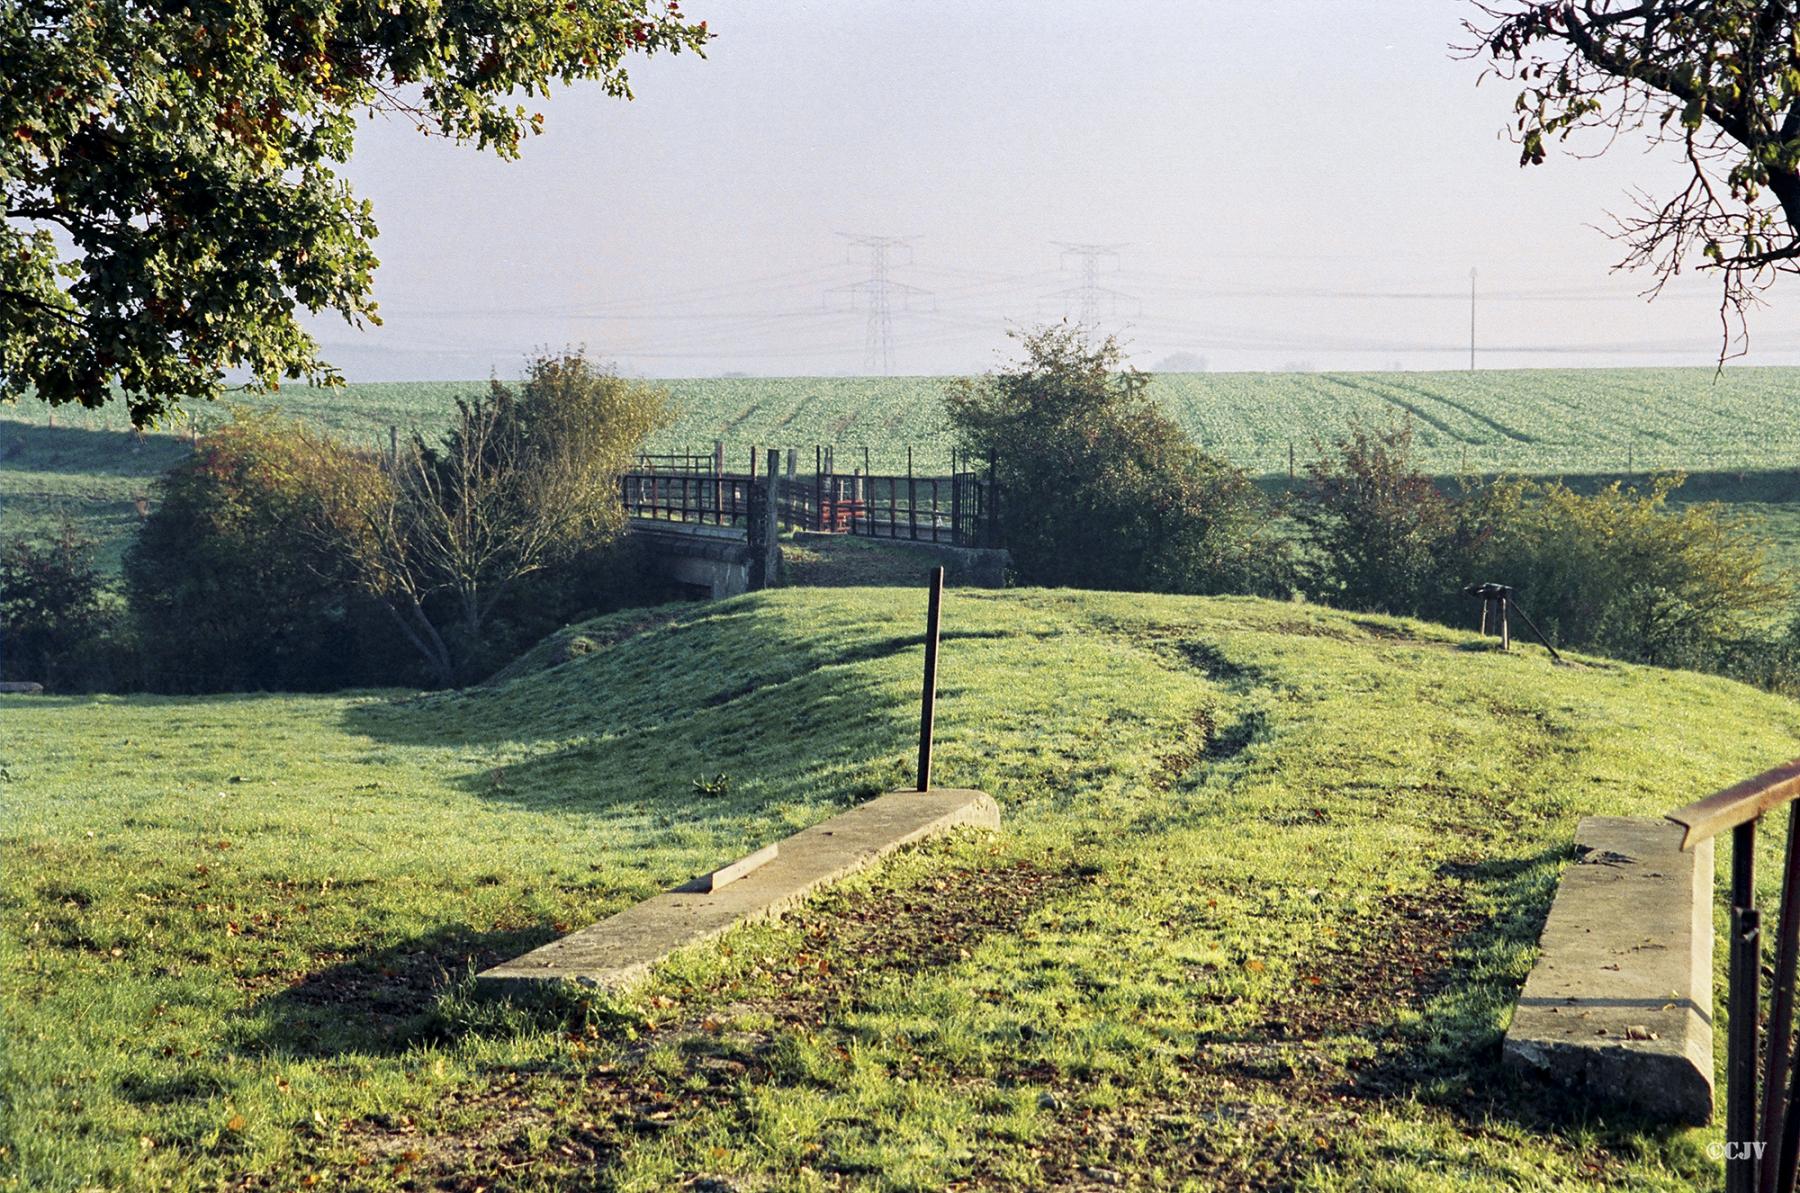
1741	429
1529	420
1268	883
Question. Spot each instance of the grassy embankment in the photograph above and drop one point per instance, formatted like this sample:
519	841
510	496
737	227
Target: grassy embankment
1269	880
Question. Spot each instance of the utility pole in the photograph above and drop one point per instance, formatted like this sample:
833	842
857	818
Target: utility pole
1471	319
878	292
1091	293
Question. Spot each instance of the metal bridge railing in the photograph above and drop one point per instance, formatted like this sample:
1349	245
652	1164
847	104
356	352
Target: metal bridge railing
1762	1135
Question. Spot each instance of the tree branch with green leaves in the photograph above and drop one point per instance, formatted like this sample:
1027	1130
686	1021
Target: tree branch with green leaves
1718	80
169	170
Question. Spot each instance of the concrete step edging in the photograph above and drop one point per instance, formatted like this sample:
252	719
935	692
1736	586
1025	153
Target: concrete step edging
1618	1005
621	950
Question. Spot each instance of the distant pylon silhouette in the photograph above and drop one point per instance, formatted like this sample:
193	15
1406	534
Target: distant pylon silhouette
1091	294
878	292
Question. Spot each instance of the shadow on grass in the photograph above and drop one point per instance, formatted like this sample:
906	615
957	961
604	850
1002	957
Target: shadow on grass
1450	1057
644	684
383	1001
27	447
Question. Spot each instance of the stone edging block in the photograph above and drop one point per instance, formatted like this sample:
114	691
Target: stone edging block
1619	1004
621	949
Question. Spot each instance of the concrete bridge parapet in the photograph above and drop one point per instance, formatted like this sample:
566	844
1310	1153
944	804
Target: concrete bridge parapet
715	558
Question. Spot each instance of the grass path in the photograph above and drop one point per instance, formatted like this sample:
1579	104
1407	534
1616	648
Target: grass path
1269	880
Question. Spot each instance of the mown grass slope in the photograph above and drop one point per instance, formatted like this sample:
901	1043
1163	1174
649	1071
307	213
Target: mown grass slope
1269	880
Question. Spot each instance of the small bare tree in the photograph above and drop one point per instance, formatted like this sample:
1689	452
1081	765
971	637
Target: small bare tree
1717	79
523	480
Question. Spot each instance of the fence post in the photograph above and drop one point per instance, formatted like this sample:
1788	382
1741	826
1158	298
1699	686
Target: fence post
760	500
912	497
718	470
928	698
772	531
793	457
992	529
956	530
1744	1006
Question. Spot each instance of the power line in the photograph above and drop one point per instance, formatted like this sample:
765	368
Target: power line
1091	293
878	292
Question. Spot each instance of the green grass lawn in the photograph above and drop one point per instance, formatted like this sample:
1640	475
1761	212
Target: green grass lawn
1269	880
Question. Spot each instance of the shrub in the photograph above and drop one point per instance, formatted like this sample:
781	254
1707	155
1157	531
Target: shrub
524	485
1380	531
1100	488
231	584
52	614
1618	572
1622	573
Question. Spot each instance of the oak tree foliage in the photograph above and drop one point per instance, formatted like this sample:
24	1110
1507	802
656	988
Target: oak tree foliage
169	169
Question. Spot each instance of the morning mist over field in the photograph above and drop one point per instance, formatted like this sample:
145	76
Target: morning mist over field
1296	184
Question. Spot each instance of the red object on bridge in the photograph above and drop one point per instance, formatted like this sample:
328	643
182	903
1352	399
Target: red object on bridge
839	516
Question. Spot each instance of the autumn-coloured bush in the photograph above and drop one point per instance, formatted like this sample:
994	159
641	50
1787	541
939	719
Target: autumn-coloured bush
231	584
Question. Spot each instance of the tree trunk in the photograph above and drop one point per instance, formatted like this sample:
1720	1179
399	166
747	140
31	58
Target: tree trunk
425	639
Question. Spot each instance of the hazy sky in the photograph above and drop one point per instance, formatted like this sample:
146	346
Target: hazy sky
1291	183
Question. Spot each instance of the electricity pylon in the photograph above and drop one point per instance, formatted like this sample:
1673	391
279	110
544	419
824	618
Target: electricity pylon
1091	294
878	292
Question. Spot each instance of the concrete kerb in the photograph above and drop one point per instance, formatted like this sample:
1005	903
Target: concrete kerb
1619	1003
621	950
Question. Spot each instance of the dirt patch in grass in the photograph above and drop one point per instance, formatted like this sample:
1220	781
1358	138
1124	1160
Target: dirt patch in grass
581	1117
1399	965
1258	1108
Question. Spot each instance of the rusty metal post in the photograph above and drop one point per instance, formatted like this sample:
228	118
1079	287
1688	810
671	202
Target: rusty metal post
928	701
1743	1001
1781	1011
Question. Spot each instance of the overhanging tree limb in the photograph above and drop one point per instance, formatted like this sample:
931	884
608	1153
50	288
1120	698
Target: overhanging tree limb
188	157
1719	79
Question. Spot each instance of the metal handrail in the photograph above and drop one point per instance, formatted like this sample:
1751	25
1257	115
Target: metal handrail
1761	1149
1737	804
